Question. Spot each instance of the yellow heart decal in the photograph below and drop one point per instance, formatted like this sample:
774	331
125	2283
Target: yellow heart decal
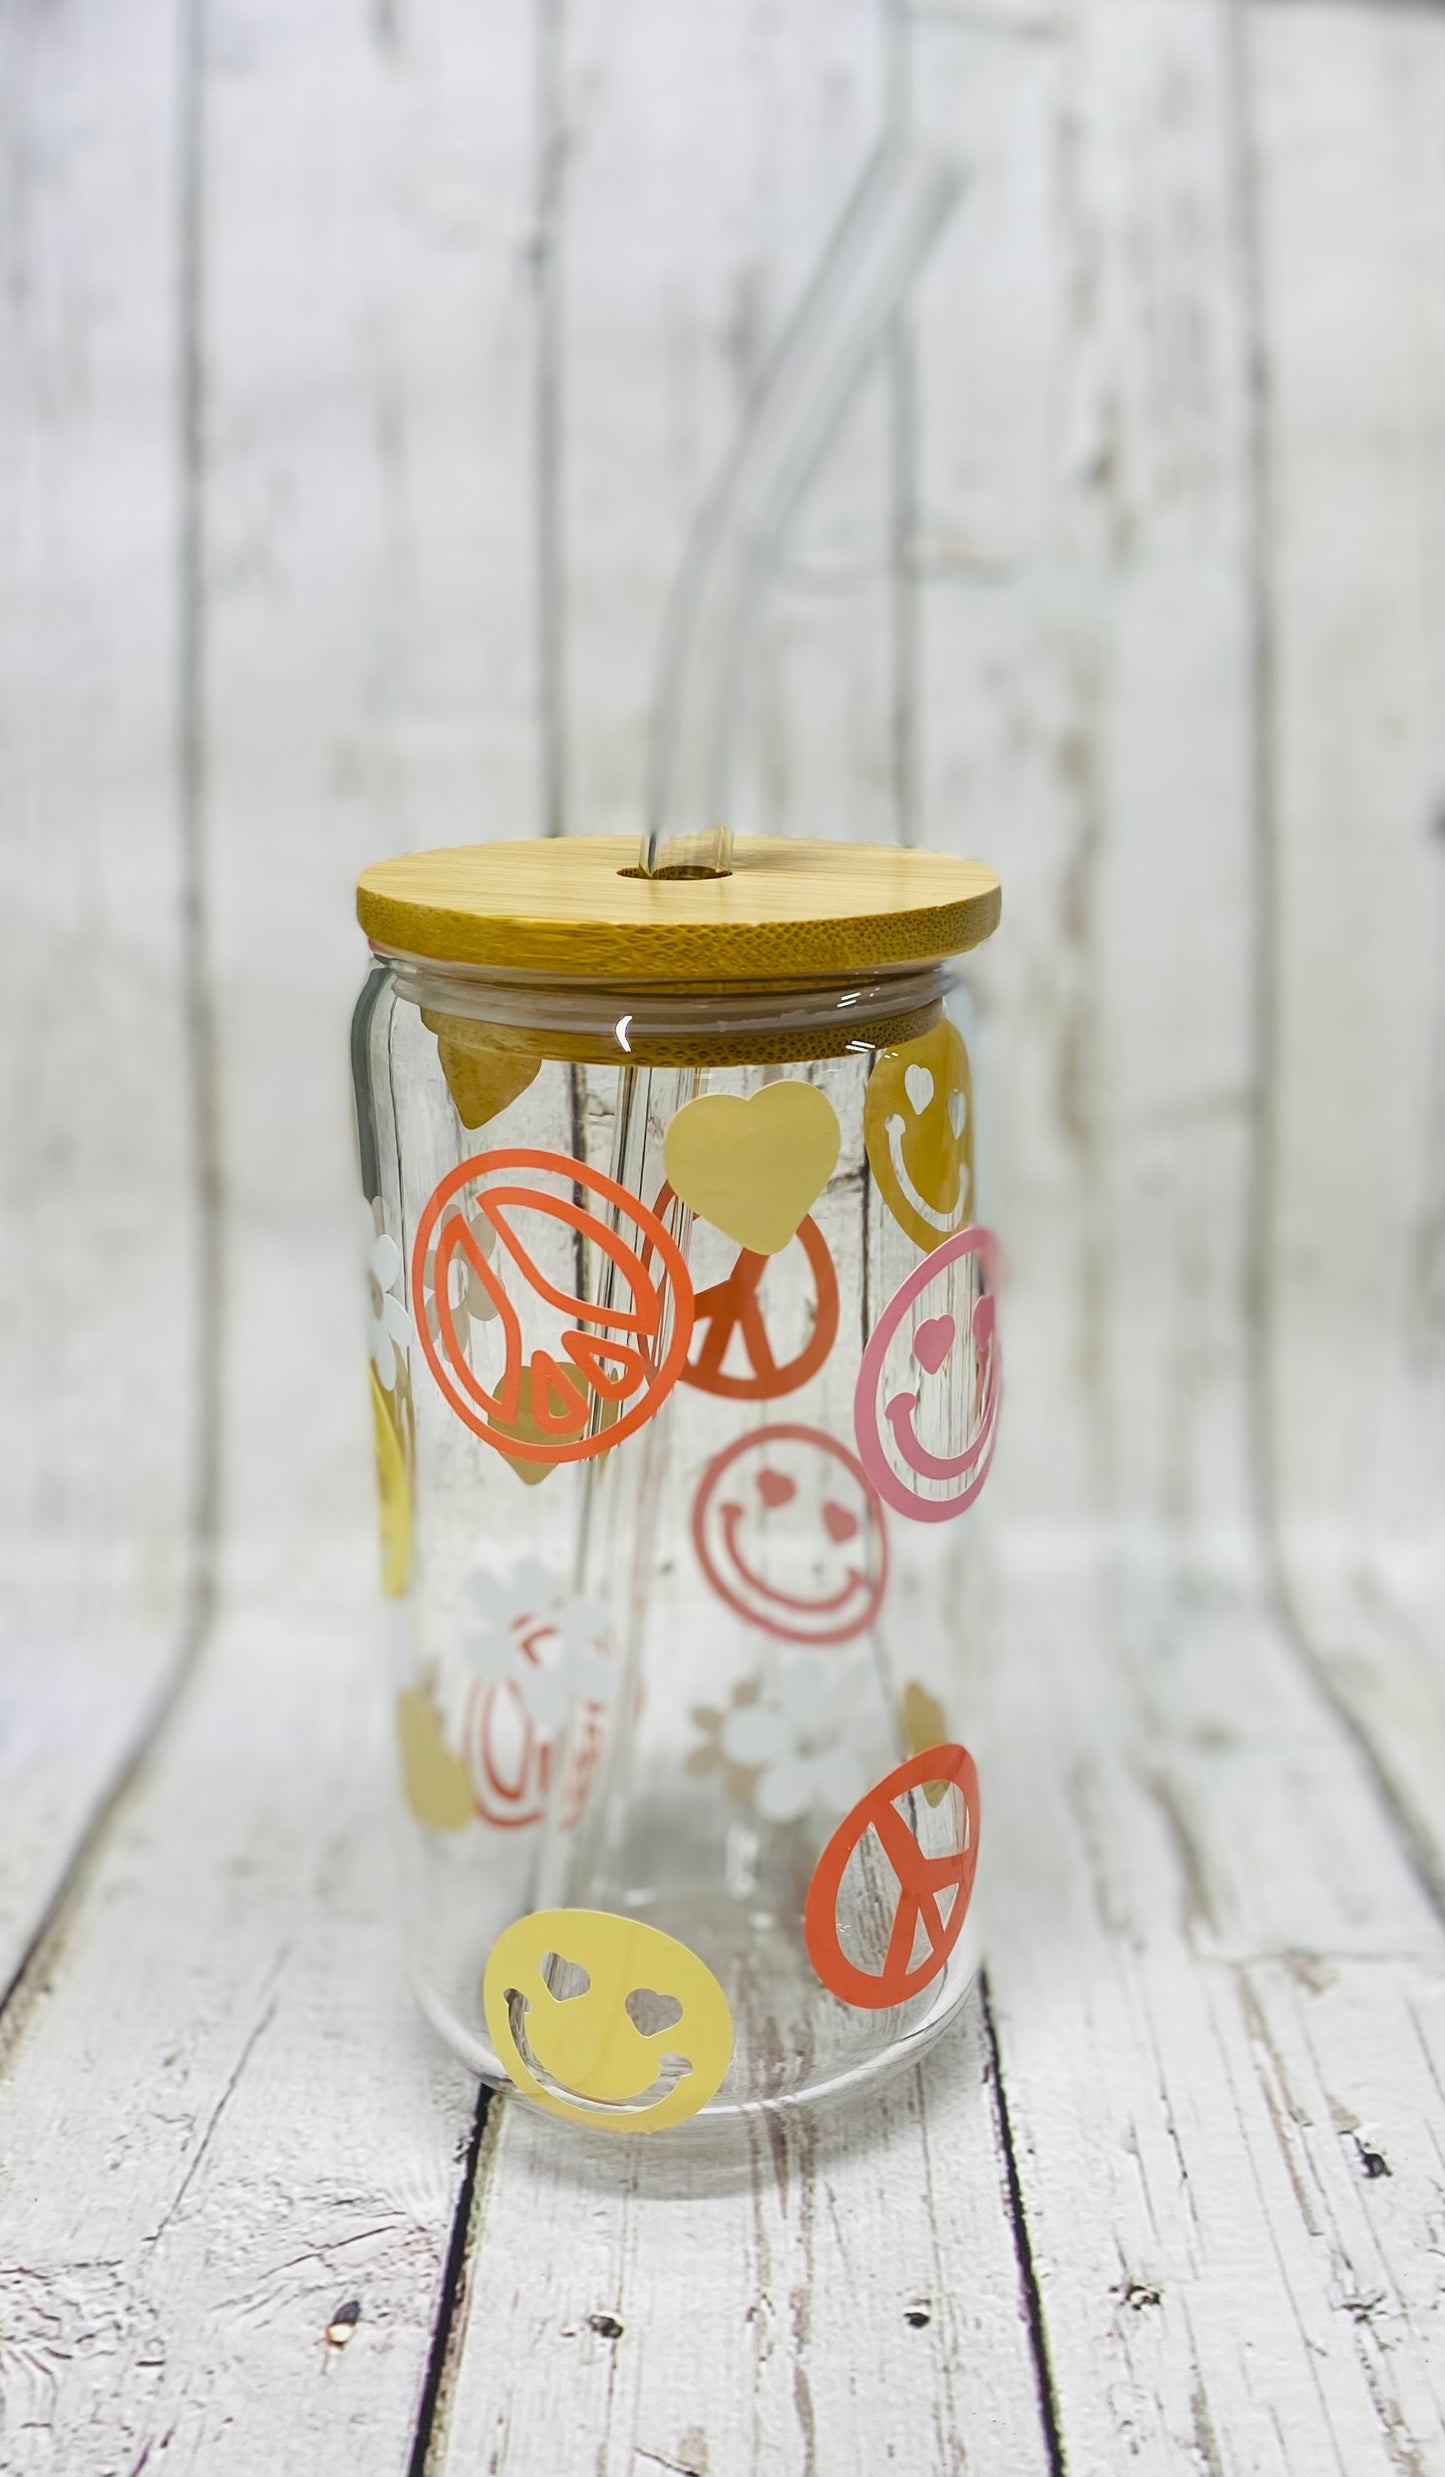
754	1168
482	1079
433	1778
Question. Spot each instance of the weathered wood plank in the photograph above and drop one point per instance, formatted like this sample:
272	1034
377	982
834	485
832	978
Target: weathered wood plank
224	2120
1350	188
242	2124
100	1215
1218	1987
1375	1630
836	2293
370	326
1348	106
1219	1990
1084	512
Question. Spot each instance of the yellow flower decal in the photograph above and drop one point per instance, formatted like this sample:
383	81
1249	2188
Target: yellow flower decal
924	1727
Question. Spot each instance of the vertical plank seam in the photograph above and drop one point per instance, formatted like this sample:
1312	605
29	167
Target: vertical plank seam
202	1519
1262	1304
1029	2291
906	618
903	473
550	138
448	2326
200	1012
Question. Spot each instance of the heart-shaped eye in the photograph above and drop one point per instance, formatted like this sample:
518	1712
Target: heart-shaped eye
775	1487
983	1323
918	1084
651	2013
839	1524
933	1341
564	1979
957	1113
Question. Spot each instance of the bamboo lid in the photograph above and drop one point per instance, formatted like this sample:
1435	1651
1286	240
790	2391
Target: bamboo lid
574	907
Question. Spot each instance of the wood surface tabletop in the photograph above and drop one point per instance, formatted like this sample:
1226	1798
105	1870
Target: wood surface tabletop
361	370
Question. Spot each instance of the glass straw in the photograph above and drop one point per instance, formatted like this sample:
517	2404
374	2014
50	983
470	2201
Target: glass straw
905	196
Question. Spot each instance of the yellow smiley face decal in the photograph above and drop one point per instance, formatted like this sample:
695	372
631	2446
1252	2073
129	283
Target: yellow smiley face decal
918	1127
606	2020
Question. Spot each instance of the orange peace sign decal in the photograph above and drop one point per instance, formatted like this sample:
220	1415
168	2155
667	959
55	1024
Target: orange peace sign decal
923	1877
491	1249
732	1307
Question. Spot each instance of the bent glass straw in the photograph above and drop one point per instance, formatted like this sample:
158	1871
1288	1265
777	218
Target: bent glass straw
902	201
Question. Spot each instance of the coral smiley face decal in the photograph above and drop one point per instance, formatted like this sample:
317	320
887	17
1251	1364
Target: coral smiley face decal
606	2020
789	1532
918	1127
926	1406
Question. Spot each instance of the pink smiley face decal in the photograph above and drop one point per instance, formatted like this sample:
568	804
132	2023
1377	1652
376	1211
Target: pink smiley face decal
789	1532
926	1406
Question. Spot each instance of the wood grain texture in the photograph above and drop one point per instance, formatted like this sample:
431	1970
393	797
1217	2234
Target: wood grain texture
578	910
371	675
1196	1898
1126	579
1373	1624
1084	596
1351	223
850	2299
1351	218
103	1446
232	2126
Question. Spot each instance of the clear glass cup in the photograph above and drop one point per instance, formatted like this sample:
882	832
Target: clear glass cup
675	1409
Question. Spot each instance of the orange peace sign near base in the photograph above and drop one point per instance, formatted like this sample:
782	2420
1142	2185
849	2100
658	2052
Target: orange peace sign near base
921	1881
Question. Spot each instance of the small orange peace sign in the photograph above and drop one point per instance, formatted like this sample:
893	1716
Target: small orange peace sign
732	1306
922	1879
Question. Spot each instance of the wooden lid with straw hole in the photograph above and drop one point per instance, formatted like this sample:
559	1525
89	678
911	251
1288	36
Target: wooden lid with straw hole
575	907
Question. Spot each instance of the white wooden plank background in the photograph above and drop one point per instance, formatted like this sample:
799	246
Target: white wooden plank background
362	366
108	1436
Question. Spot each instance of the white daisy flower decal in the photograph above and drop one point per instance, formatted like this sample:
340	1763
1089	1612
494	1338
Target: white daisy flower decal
793	1737
532	1634
390	1324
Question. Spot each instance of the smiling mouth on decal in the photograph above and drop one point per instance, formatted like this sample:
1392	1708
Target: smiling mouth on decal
730	1517
671	2069
831	1558
899	1415
944	1223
